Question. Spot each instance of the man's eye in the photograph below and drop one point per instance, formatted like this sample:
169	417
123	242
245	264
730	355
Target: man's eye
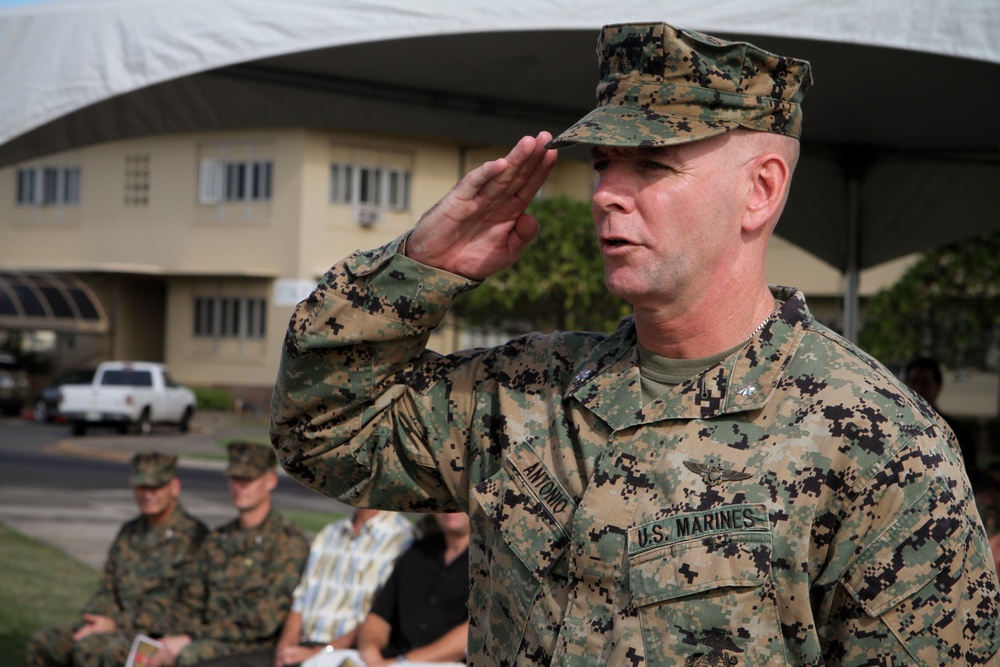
599	165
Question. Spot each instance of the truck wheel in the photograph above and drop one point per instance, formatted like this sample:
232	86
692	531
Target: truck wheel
185	423
144	426
78	428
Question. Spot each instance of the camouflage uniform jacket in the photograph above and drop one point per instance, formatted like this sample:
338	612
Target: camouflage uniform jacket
242	588
792	504
142	575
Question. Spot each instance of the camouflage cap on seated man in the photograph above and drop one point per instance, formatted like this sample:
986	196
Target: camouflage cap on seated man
248	460
662	85
152	469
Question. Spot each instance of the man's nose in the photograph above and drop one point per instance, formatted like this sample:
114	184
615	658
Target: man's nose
611	192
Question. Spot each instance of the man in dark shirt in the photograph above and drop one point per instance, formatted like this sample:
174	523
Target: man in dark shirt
421	614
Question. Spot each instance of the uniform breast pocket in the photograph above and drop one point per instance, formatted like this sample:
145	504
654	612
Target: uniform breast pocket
528	511
702	586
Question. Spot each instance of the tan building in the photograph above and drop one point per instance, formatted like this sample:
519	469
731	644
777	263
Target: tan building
199	245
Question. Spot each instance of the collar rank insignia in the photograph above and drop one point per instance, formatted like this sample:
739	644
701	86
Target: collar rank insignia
747	390
714	474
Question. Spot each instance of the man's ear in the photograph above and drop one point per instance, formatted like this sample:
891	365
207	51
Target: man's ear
769	180
272	479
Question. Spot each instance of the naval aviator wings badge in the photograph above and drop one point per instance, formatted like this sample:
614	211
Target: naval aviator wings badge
715	474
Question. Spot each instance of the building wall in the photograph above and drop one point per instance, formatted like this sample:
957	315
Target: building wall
141	236
219	361
149	245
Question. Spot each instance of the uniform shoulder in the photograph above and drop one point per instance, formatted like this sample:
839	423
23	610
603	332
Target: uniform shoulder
841	369
529	361
287	528
843	356
136	524
190	523
221	531
537	360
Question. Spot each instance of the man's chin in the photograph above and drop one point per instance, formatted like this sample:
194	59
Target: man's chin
625	291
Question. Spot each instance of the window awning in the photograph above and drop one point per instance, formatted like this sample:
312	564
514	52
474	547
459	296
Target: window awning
31	300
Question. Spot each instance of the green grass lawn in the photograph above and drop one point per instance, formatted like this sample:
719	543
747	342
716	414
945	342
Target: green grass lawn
40	586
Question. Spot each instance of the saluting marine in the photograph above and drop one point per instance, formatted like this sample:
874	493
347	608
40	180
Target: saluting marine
722	480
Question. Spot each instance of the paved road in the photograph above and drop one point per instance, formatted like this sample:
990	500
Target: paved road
73	493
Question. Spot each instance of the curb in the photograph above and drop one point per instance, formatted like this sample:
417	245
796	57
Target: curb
70	448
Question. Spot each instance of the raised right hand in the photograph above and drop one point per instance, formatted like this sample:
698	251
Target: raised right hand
480	227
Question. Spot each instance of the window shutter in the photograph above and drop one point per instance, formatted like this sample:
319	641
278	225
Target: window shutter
210	182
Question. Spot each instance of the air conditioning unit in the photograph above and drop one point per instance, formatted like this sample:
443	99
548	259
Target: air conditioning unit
366	217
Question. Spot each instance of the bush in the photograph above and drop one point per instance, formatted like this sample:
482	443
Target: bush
210	398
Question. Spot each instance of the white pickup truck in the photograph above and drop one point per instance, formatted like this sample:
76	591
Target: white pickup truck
131	395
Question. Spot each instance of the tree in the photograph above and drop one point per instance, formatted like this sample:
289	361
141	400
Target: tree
946	306
558	284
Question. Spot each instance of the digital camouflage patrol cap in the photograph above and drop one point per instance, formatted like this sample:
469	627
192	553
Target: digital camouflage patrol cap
662	85
248	460
152	469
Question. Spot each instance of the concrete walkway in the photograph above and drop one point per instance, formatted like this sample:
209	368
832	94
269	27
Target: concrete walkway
83	524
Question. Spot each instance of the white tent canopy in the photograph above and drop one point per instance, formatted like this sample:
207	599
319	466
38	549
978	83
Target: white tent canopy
901	146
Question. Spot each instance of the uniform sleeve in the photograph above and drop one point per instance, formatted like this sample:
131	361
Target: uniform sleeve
104	601
357	394
188	613
918	588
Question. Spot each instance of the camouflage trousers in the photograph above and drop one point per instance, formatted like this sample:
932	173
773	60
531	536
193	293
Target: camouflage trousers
55	647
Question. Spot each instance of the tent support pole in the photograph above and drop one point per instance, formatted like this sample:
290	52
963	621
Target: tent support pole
852	279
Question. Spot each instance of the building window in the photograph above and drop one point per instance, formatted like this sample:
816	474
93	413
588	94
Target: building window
229	317
235	172
137	180
48	186
383	187
234	181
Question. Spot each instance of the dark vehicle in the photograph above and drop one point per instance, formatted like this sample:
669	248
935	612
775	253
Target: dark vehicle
13	385
46	407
